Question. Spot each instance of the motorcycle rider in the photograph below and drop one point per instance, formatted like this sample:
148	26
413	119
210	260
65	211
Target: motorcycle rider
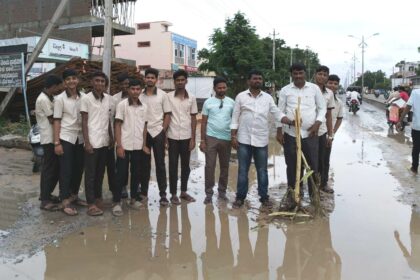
354	95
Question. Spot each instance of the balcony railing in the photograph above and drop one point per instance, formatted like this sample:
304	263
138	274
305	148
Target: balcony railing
191	62
122	11
179	60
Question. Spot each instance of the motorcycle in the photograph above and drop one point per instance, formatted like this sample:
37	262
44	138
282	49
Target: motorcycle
354	106
394	110
34	137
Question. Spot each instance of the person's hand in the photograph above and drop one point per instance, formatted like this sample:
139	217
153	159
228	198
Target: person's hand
280	138
88	148
192	144
235	143
166	142
203	146
58	149
329	142
120	152
146	150
313	130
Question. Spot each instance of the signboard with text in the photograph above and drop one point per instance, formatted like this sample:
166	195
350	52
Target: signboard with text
10	70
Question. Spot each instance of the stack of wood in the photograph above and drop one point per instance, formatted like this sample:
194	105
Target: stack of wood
84	67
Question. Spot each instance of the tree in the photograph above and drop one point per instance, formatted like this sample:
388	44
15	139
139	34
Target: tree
376	80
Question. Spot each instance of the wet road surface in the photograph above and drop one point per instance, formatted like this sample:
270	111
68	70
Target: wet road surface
372	232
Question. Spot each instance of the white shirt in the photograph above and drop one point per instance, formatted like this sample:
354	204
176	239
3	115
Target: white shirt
414	102
133	118
337	112
182	109
157	105
67	109
99	114
312	106
354	95
329	101
250	117
44	108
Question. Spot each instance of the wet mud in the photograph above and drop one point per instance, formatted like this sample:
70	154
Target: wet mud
371	230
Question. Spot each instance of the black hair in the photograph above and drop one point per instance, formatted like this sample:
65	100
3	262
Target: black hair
218	80
298	66
99	74
322	68
122	77
334	78
180	72
52	80
152	71
134	82
254	72
68	73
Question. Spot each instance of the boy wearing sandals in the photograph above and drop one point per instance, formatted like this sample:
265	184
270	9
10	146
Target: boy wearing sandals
181	135
68	142
95	109
130	137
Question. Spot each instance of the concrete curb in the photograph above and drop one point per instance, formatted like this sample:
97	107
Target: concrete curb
15	141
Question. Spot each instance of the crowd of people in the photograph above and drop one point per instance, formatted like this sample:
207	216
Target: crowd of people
93	132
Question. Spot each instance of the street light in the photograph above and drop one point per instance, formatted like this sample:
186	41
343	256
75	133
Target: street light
363	45
353	65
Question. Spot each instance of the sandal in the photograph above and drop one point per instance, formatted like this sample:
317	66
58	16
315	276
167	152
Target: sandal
69	211
117	210
49	206
175	200
77	201
327	190
187	197
93	210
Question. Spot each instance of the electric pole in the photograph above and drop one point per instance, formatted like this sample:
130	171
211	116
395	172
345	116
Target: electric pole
107	56
273	85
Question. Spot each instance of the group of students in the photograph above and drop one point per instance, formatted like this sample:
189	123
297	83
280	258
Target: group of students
83	132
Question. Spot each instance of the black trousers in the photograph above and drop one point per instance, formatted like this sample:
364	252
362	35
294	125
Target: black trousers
310	146
137	161
94	174
158	145
71	169
50	172
111	169
322	150
325	175
415	134
179	149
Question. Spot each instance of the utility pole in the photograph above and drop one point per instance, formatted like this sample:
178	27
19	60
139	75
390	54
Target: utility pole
273	85
107	56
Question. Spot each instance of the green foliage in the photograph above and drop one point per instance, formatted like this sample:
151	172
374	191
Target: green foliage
17	128
375	80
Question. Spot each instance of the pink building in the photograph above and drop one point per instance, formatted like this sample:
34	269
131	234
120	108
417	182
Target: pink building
153	45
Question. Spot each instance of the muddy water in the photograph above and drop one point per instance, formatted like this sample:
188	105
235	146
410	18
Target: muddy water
368	234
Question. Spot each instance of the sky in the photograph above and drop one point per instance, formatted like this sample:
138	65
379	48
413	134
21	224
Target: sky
323	26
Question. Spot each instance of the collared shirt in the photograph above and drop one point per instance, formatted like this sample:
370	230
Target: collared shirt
250	117
182	109
44	108
117	98
219	116
67	109
312	106
337	112
133	118
157	106
414	102
330	103
99	114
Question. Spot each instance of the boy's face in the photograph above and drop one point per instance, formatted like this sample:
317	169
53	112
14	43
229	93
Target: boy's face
71	82
321	77
180	82
150	80
124	85
220	89
134	91
98	84
332	85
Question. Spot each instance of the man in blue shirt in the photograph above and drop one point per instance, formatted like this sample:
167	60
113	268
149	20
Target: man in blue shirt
413	104
215	138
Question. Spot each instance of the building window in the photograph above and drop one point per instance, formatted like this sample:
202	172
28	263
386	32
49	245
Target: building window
143	26
143	67
143	44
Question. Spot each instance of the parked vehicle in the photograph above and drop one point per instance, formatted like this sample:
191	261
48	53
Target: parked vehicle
34	137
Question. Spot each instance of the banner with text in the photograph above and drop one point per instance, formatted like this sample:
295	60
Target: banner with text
10	70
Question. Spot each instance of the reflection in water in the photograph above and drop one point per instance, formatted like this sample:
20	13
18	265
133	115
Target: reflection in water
309	253
413	257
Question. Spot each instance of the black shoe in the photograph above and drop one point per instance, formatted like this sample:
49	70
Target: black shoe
163	201
208	199
238	203
266	203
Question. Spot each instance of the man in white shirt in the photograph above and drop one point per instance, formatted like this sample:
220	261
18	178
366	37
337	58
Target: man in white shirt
96	109
44	110
68	141
159	116
250	132
312	110
413	104
181	135
325	132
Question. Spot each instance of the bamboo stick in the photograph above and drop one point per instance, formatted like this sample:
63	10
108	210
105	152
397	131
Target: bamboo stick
298	154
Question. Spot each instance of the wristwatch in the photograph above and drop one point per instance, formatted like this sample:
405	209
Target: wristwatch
57	143
330	137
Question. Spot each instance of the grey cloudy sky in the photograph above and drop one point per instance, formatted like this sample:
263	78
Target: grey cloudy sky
322	25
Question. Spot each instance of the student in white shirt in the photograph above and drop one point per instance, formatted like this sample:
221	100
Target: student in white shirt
44	110
181	135
312	110
68	141
96	109
130	136
250	132
325	130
